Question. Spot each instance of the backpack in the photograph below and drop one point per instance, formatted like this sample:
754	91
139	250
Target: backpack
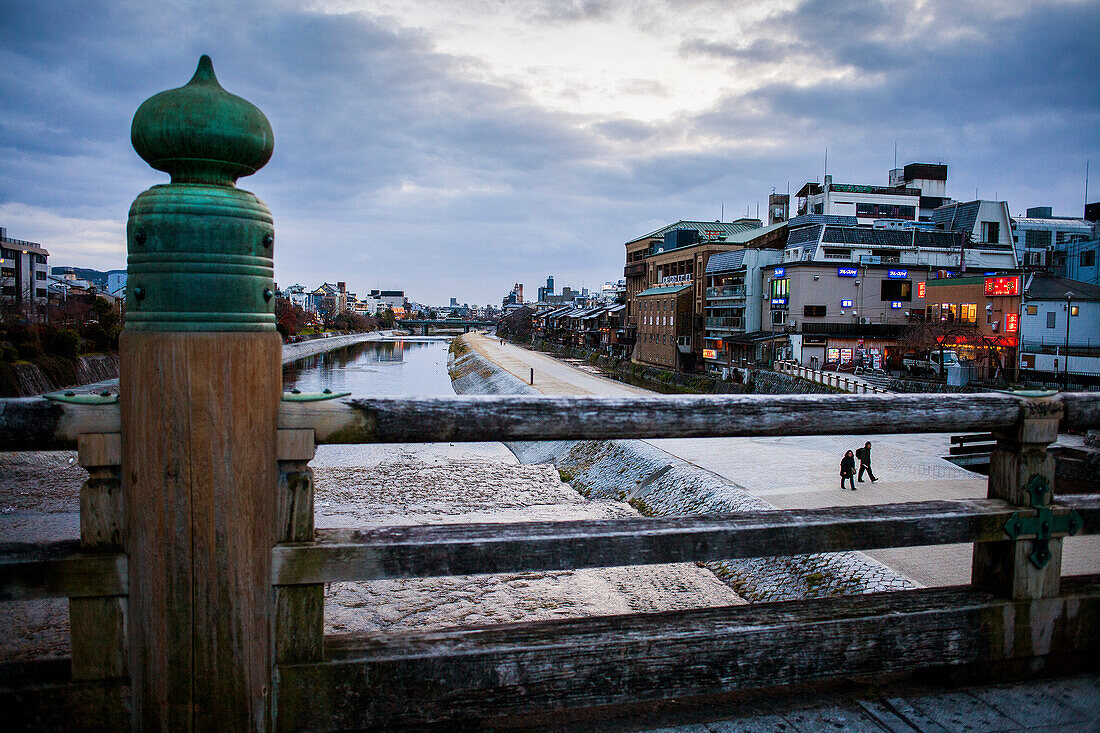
860	452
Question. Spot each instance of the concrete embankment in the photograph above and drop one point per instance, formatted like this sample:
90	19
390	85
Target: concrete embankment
658	483
302	349
52	373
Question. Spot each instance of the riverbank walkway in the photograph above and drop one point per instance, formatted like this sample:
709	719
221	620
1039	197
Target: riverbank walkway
802	472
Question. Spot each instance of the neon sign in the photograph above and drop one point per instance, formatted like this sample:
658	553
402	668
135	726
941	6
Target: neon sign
847	272
897	274
779	272
1012	322
921	290
1002	285
846	303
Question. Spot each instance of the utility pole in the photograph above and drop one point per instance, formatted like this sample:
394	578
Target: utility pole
1069	314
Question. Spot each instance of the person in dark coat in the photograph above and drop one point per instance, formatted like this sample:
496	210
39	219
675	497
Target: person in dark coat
864	456
848	470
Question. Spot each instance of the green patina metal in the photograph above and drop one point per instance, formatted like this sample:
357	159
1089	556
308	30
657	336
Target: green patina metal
73	398
200	250
296	396
1044	525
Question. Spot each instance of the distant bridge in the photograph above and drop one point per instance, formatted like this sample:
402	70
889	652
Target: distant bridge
426	323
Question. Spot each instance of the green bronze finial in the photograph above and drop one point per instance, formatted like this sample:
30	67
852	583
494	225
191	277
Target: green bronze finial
200	250
201	133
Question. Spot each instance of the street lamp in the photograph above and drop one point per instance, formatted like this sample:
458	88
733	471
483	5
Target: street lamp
1069	313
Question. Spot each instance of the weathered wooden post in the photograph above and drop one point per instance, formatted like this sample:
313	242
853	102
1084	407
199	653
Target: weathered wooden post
1027	564
200	389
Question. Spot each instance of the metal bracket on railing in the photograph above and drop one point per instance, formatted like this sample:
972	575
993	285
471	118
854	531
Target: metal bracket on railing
72	398
296	395
1044	525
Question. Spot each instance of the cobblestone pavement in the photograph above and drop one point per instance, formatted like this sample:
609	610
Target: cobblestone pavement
794	472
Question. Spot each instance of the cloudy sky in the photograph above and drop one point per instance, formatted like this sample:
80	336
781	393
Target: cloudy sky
453	147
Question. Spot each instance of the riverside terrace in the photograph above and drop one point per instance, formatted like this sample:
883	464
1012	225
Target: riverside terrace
196	586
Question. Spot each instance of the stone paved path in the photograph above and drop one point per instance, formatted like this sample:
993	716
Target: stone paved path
795	472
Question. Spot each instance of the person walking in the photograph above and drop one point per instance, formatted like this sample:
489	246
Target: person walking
847	470
864	456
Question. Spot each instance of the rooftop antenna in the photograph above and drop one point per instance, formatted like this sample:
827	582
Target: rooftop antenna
895	155
758	208
723	214
1086	181
826	162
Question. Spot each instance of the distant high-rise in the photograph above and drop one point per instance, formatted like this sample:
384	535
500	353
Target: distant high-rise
550	284
454	302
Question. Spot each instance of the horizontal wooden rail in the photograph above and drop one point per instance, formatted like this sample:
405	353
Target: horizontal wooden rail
526	417
34	423
467	549
59	570
476	673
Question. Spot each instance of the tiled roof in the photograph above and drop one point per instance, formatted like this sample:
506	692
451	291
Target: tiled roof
1048	287
957	217
748	235
805	219
721	228
898	238
802	235
663	290
723	261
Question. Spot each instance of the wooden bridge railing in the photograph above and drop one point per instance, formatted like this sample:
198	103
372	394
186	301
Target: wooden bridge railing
1014	611
196	588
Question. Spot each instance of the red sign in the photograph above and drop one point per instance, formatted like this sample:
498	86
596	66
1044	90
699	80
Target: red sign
710	354
1012	322
1002	285
920	290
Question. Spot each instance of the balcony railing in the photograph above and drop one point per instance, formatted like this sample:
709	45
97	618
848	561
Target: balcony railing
730	322
727	291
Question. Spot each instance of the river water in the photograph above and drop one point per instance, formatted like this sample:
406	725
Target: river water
415	366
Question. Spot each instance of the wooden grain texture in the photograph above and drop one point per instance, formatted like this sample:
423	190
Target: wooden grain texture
460	549
35	423
295	445
475	673
59	570
98	625
526	417
299	610
198	425
1019	457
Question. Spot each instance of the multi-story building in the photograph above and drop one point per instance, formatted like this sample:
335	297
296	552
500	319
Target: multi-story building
1057	311
837	238
866	203
665	315
514	296
928	178
734	282
985	313
987	224
1043	241
677	255
23	271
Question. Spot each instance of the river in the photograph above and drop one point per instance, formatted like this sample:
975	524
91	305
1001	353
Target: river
416	366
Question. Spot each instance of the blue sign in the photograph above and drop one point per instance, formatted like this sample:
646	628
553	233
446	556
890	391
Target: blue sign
847	272
846	304
779	272
897	274
895	304
779	301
